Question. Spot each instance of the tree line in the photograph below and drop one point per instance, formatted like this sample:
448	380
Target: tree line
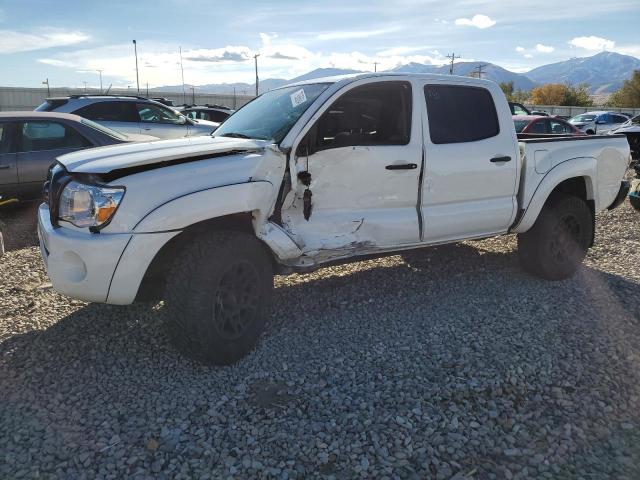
574	95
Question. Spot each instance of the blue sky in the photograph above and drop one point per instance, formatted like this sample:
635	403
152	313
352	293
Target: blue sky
67	41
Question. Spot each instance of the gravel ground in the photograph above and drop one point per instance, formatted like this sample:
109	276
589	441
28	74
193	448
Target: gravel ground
451	364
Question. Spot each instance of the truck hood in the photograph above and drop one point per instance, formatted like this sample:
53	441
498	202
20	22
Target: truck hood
108	159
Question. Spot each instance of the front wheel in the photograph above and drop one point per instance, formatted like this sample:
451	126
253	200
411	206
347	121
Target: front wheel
557	243
218	296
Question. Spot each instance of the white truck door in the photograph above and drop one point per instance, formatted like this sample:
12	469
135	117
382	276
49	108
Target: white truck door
471	162
358	170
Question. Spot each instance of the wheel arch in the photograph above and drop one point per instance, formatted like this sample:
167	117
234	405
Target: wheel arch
576	177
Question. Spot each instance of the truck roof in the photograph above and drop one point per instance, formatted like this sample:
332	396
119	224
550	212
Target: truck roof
422	76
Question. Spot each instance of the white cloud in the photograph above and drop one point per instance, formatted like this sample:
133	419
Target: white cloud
402	51
267	38
592	43
344	35
12	41
544	48
528	55
520	49
479	21
219	55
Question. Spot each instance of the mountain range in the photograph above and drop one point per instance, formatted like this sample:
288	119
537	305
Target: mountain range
604	73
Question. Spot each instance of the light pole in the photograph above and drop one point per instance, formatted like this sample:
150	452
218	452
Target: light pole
193	95
184	95
85	87
100	72
135	49
46	82
255	57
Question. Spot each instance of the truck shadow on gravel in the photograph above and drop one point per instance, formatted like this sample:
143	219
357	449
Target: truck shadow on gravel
19	225
467	322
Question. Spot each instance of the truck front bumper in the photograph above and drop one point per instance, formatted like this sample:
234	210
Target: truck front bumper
104	267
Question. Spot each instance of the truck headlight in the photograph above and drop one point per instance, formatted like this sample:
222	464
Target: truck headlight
90	206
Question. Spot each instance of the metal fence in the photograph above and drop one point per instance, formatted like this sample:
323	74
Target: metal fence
572	111
17	98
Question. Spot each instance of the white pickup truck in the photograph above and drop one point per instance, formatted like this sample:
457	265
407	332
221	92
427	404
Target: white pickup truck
324	171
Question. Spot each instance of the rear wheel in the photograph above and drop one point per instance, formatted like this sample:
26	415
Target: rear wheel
557	243
218	296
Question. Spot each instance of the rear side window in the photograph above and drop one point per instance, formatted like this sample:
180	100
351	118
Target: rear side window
459	114
37	136
539	126
109	112
619	119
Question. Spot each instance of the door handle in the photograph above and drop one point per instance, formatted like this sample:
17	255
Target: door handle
402	166
500	159
5	167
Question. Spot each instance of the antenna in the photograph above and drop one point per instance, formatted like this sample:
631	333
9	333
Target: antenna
452	57
184	95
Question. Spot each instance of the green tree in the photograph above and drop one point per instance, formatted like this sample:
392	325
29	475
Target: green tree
513	95
629	94
507	88
577	96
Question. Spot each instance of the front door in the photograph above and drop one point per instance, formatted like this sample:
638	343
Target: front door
358	170
471	163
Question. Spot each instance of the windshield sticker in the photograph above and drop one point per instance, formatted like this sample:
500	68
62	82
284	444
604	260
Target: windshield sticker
298	98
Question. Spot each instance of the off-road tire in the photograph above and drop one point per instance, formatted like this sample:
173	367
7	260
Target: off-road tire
557	243
218	296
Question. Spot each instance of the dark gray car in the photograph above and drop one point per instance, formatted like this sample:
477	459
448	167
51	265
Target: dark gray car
31	141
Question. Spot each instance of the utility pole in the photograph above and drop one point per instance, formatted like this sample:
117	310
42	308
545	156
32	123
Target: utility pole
184	95
147	89
452	57
46	82
135	49
234	98
375	66
100	72
479	69
85	87
193	95
255	57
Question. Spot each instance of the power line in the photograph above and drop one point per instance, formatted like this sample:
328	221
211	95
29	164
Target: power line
452	57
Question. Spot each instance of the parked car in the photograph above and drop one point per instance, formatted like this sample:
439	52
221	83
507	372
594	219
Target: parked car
631	128
164	101
213	113
130	115
544	125
634	193
597	122
314	173
31	141
518	109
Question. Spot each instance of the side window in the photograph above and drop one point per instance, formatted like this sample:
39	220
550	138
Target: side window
151	113
374	114
619	119
460	114
558	128
216	116
109	112
37	136
518	110
192	114
539	127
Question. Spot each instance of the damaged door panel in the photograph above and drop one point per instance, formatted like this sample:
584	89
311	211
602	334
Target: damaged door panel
346	197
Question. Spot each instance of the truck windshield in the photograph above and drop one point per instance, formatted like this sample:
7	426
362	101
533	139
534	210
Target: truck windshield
272	114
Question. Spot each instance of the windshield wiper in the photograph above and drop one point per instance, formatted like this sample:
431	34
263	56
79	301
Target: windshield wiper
235	135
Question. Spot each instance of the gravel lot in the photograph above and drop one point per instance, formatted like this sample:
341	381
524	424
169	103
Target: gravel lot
452	364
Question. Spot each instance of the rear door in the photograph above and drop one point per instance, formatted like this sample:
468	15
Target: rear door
119	115
471	159
39	143
8	167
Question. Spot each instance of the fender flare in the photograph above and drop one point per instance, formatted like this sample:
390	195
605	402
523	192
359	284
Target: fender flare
584	167
181	212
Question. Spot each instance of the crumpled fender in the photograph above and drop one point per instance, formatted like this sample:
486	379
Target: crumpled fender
179	213
577	167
